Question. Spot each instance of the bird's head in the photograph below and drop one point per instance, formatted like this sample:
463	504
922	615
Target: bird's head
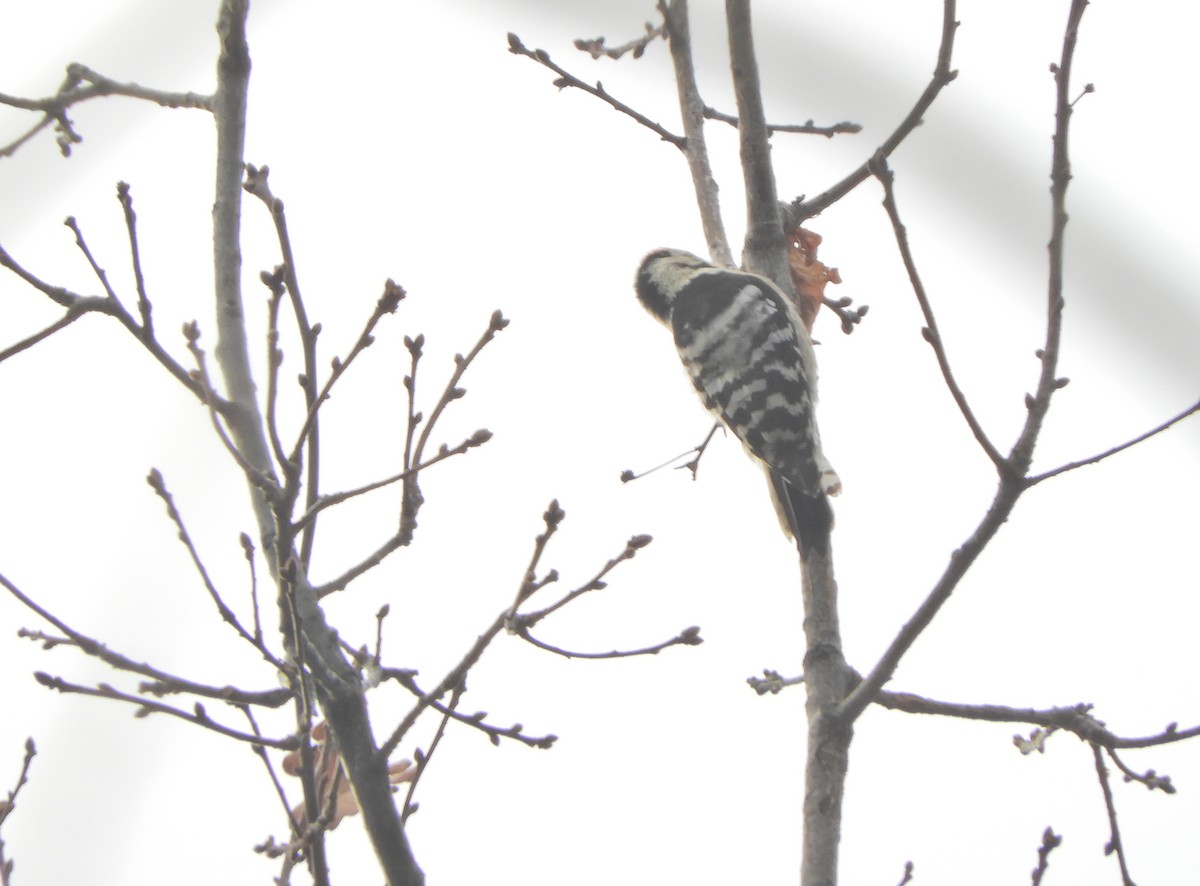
660	277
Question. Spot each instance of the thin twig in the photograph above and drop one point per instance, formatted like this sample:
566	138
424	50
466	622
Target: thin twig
262	754
144	309
72	314
6	807
1076	719
807	128
198	715
309	437
387	304
248	551
1151	779
82	84
693	465
423	759
81	243
942	76
1114	841
686	637
598	46
260	479
930	332
477	720
1050	842
1038	404
1038	478
312	839
496	323
566	79
159	485
551	518
162	681
273	280
695	149
334	498
596	583
1012	482
77	305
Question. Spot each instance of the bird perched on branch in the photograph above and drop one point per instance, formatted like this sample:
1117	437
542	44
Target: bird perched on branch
749	356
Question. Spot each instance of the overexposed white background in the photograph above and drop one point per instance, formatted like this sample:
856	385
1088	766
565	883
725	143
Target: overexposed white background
407	142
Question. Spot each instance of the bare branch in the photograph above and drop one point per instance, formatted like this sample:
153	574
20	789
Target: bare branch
476	720
158	484
7	806
163	682
686	637
1151	779
262	754
1012	482
942	76
808	128
78	305
262	481
453	391
565	80
309	437
931	333
598	46
198	715
693	465
1114	841
387	304
232	350
597	582
1050	842
1038	404
1076	719
72	314
1191	410
841	307
423	758
126	201
82	84
334	498
695	149
765	251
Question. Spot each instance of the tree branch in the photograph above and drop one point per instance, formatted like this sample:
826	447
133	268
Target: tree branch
695	149
1012	482
1114	846
942	76
930	332
808	128
80	85
566	79
1038	478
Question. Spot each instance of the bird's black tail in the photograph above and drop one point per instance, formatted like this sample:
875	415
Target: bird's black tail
807	518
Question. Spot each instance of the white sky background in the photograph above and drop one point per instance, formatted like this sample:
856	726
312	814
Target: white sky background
407	142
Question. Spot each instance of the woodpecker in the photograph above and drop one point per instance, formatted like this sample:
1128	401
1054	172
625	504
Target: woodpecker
750	358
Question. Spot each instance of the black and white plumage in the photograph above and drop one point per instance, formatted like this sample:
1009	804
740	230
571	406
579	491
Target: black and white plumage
750	358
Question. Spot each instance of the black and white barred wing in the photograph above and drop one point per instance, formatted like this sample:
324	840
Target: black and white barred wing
751	360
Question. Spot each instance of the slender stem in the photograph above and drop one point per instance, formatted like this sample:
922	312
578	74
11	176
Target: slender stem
232	351
942	77
691	108
1060	177
827	676
931	332
1012	481
765	251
